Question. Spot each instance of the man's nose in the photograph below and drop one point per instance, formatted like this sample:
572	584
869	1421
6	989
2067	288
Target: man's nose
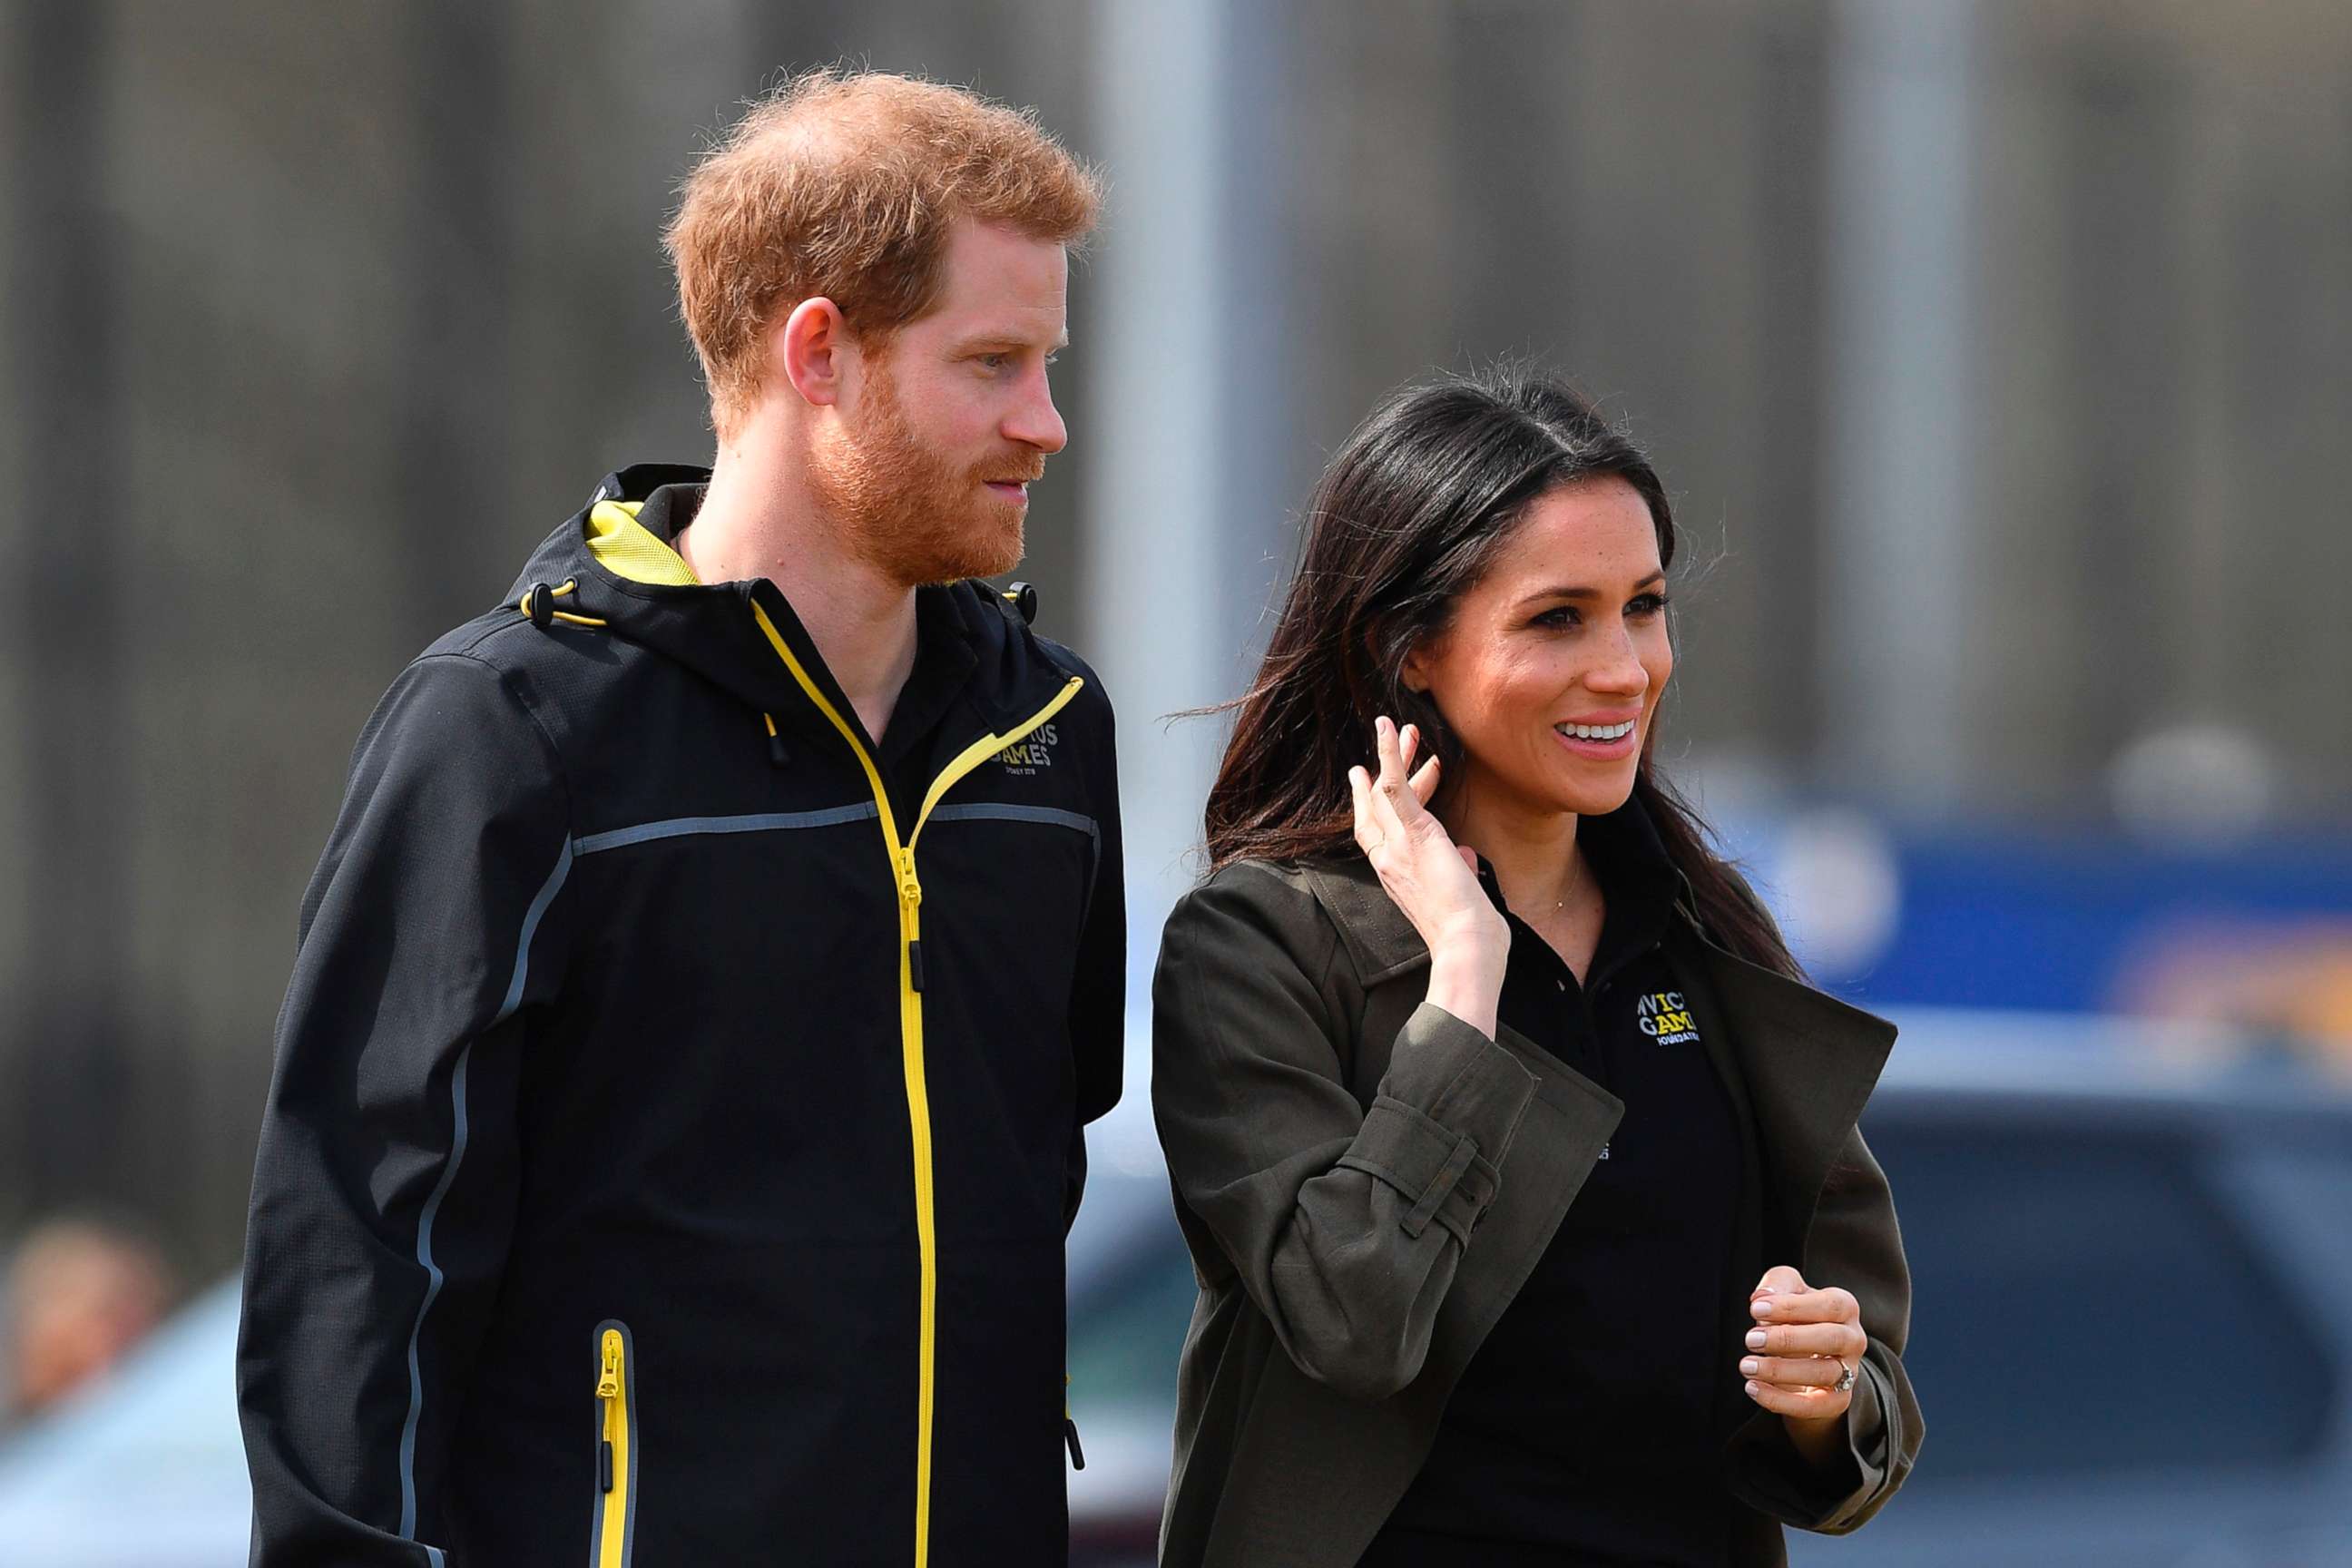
1035	422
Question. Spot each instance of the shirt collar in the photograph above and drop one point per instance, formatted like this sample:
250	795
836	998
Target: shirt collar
1638	878
1641	879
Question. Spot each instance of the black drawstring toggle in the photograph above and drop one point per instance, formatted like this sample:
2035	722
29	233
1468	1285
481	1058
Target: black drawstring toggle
540	604
776	753
1022	598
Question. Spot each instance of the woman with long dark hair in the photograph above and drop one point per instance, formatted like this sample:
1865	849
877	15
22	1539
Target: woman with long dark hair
1519	1165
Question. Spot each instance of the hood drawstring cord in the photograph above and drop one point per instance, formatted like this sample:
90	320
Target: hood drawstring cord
538	602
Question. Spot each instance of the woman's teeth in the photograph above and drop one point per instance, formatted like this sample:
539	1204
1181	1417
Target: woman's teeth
1596	732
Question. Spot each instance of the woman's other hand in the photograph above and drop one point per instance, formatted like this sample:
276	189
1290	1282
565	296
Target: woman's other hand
1434	880
1805	1343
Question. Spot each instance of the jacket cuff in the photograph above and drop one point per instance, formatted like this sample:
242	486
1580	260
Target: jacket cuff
1442	1121
1769	1474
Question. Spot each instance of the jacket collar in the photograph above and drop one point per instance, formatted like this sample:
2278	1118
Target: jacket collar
1379	941
618	552
1807	1061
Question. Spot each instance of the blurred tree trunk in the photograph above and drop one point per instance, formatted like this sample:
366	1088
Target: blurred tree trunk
66	1044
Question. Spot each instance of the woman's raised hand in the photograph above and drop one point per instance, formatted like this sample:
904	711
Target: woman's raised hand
1431	878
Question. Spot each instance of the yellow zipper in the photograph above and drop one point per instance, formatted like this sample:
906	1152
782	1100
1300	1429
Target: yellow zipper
911	1021
616	1463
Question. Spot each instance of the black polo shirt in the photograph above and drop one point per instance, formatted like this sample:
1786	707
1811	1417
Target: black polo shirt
1584	1430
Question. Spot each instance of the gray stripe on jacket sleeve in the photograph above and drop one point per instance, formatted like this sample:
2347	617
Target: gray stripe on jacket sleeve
513	999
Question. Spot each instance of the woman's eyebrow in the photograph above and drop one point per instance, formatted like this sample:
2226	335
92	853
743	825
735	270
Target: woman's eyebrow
1564	591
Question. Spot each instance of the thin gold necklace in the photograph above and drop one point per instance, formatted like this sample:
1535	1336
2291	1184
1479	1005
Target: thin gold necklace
1575	877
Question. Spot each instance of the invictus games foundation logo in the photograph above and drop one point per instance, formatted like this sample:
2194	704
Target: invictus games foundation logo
1665	1017
1033	752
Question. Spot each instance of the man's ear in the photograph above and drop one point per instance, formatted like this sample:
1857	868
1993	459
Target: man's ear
808	350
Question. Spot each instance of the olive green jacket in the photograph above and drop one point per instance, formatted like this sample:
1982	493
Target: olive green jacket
1365	1180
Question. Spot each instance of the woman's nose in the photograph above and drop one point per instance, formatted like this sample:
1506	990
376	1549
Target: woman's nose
1620	672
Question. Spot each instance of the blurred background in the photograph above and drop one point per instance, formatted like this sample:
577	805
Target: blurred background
1997	353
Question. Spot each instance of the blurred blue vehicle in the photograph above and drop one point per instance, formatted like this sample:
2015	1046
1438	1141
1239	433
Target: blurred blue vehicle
2133	1336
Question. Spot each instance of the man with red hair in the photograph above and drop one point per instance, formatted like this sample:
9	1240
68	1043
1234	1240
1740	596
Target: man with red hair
679	1100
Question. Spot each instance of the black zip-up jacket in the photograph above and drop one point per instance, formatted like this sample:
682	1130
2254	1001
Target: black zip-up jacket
675	1117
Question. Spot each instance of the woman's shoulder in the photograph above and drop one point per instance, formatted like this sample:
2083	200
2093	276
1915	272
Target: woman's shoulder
1270	885
1279	897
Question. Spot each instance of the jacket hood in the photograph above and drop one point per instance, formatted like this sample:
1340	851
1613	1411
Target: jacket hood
612	567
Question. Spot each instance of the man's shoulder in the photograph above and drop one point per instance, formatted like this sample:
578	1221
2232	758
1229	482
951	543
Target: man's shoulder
1092	698
487	640
572	678
1009	613
492	698
1065	658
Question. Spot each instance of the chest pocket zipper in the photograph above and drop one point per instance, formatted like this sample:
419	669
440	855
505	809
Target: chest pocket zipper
612	1534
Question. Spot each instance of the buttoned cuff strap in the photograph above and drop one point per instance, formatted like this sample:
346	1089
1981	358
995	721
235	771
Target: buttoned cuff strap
1441	1173
1444	1117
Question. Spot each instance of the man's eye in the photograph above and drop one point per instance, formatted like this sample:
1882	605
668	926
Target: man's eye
993	361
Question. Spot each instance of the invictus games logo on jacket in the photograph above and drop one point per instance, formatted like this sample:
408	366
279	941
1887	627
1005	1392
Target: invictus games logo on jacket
1031	753
1665	1017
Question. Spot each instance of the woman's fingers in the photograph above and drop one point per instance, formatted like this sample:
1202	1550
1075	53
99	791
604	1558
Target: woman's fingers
1385	747
1391	790
1827	1305
1397	748
1377	827
1412	801
1803	1341
1368	829
1793	1372
1415	857
1811	1404
1845	1339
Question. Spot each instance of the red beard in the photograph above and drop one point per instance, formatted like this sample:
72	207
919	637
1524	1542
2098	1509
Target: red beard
910	512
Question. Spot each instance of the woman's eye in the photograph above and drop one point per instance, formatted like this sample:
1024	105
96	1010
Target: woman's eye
1646	604
1558	616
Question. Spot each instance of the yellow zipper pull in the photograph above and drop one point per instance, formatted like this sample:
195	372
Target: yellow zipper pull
608	1389
910	889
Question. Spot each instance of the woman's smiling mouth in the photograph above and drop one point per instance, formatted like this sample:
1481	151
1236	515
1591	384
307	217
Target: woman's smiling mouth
1598	741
